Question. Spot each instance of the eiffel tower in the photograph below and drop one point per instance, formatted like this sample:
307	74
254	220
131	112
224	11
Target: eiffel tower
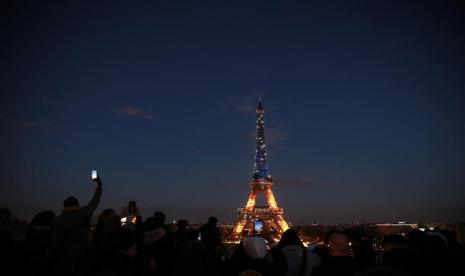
271	215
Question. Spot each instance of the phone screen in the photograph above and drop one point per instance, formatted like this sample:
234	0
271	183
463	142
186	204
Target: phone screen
94	174
258	226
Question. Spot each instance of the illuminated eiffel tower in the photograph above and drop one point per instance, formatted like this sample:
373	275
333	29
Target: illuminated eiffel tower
271	215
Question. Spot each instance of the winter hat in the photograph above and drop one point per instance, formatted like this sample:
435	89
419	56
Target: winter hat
255	247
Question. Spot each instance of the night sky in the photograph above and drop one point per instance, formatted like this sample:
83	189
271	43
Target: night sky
364	101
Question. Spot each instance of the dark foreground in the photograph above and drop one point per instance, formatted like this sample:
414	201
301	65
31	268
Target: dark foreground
125	244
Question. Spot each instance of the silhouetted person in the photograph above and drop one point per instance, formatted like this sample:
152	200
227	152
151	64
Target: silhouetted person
38	237
322	250
421	253
182	225
5	217
440	262
210	234
158	244
159	220
252	257
340	262
105	218
364	251
131	216
299	261
396	259
188	259
67	249
7	239
111	246
456	252
396	252
181	231
131	209
211	246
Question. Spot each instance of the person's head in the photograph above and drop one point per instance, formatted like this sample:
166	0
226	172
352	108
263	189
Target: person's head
212	220
159	218
106	216
70	202
290	237
438	244
394	241
339	245
417	239
182	224
328	234
255	247
43	219
5	215
132	207
150	224
450	236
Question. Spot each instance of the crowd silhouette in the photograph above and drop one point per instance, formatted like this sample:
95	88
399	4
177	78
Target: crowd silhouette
126	244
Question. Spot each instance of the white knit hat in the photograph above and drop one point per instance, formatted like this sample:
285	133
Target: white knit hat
255	247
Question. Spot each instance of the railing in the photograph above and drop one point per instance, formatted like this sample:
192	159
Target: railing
260	210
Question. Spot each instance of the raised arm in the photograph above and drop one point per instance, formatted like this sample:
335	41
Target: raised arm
96	197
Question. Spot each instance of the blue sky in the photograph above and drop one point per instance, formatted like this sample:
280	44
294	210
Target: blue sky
364	106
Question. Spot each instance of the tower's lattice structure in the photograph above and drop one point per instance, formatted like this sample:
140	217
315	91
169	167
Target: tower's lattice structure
271	214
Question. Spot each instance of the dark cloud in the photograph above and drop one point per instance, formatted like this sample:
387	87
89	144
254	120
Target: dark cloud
246	108
132	111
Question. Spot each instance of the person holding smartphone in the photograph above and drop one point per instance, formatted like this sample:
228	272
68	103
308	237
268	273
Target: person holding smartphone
71	229
130	216
130	209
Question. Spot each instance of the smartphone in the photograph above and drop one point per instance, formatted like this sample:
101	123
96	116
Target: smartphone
258	226
94	175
